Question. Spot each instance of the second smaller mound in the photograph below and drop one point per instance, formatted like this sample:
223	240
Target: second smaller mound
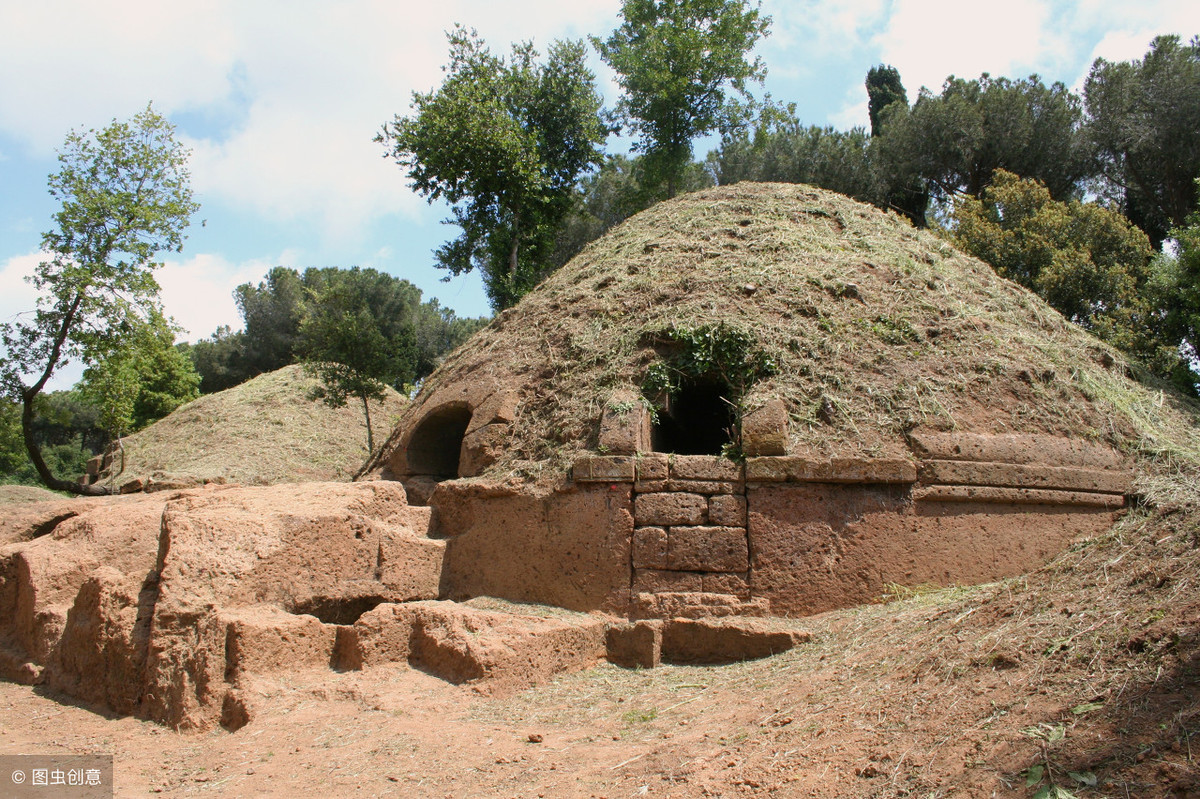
262	432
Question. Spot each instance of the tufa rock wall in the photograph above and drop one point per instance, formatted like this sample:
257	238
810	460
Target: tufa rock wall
174	607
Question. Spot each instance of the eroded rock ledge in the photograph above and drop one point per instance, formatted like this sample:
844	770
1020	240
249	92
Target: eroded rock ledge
171	607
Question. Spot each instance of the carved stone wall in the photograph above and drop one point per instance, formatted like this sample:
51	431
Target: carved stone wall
793	535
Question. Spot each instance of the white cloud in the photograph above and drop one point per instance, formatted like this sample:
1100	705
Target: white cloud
820	26
286	167
18	297
198	292
16	294
84	63
928	40
313	81
855	113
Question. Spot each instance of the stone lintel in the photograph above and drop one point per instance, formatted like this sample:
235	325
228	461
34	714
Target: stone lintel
1017	496
1014	448
797	469
1008	475
688	486
705	467
603	469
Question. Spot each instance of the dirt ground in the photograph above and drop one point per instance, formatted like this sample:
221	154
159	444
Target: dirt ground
1080	679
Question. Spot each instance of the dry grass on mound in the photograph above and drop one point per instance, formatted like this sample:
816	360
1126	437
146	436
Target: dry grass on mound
877	328
262	432
17	495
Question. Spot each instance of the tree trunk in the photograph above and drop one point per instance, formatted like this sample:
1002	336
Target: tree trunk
39	463
513	263
27	399
367	413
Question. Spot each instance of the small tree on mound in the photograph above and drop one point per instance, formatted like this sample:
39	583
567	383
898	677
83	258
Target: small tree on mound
354	344
141	381
125	197
675	61
1176	287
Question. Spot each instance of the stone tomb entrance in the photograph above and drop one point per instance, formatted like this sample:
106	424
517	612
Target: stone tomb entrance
697	419
788	535
434	449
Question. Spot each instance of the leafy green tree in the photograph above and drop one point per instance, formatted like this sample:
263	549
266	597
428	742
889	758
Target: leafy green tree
884	87
1087	261
356	337
125	197
503	141
67	431
955	141
142	381
905	194
675	61
438	331
271	312
12	444
781	149
112	387
219	359
1175	286
1144	118
67	419
1188	282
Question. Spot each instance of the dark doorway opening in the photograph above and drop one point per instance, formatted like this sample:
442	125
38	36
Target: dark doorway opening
696	419
337	609
434	447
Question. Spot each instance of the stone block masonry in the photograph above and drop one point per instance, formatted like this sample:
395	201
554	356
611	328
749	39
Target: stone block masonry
690	512
807	534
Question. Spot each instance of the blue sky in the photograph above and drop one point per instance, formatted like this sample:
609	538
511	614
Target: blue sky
279	102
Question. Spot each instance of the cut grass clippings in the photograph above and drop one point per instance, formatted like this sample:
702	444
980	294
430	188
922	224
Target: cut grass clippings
875	329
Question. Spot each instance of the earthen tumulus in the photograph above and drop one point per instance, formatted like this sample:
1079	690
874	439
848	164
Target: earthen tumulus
756	401
902	415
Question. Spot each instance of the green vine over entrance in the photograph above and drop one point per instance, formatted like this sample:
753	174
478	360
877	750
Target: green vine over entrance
721	357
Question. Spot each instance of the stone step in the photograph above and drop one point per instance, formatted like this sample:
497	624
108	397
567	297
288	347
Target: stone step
417	518
650	642
696	605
